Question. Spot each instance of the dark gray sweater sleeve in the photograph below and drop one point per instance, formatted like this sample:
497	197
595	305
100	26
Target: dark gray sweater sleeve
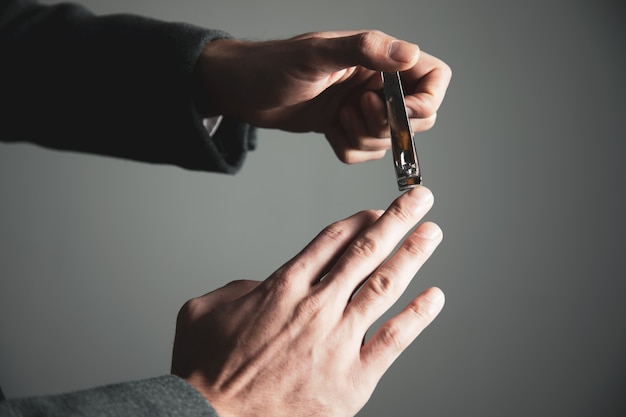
166	396
116	85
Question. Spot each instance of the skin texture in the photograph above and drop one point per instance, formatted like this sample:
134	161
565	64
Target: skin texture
294	344
326	82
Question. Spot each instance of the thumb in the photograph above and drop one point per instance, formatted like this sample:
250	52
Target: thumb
372	49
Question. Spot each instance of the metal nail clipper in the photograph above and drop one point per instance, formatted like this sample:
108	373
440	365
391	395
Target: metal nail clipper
407	166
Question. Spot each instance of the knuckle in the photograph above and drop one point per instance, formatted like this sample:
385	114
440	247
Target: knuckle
422	312
365	42
392	337
307	35
372	40
365	246
289	272
349	157
344	154
371	215
190	310
335	232
380	285
414	248
309	307
403	212
279	285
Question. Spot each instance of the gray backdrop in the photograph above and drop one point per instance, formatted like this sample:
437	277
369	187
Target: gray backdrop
526	164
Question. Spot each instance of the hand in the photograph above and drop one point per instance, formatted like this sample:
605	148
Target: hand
327	82
294	344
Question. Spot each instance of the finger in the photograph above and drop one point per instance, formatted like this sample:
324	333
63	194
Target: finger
338	140
421	125
375	115
376	242
371	49
357	133
395	335
328	34
313	262
383	288
426	85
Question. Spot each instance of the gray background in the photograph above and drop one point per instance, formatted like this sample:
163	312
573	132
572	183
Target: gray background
526	164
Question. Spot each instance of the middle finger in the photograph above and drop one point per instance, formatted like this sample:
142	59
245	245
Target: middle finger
377	242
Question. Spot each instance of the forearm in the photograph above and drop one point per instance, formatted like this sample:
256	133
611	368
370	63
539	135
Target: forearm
116	85
164	396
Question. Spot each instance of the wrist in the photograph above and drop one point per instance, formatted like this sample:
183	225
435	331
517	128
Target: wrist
221	407
212	78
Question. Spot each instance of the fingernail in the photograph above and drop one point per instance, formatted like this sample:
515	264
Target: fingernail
423	194
401	51
436	297
429	231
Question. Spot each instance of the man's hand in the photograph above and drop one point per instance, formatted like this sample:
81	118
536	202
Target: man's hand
294	344
327	82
